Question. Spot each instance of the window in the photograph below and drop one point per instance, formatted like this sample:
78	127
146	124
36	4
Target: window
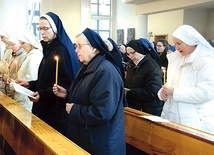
33	17
101	17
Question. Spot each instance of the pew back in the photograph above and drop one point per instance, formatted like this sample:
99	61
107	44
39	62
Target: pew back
27	134
165	138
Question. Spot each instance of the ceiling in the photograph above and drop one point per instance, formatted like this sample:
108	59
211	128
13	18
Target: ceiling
208	5
137	1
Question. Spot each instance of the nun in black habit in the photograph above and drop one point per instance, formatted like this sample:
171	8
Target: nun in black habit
144	78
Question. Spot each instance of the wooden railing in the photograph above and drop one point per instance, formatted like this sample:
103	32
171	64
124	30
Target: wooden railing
158	138
27	134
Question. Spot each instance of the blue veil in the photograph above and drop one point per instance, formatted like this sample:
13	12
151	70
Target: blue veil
97	42
65	40
151	50
117	55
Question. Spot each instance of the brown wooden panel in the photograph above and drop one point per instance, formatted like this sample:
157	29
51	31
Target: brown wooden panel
27	134
165	138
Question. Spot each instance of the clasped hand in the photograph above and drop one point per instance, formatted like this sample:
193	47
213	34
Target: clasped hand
166	91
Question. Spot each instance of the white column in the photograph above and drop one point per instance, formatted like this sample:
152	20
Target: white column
142	26
85	14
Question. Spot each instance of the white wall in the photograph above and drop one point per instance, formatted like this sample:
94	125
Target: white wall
210	25
198	18
69	12
75	16
125	18
165	23
13	15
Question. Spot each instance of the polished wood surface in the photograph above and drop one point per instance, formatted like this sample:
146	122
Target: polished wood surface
27	134
165	138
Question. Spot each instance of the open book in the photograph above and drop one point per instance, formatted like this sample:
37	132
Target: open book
22	90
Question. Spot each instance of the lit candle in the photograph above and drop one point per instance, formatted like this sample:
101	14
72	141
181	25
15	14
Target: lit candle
0	67
164	76
16	70
8	71
57	63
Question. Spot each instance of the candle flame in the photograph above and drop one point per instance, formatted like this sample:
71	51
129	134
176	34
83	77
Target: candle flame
56	57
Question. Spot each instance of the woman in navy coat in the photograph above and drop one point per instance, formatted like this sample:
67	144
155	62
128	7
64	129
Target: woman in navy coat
95	99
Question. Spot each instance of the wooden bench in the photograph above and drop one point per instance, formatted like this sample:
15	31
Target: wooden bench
27	134
158	138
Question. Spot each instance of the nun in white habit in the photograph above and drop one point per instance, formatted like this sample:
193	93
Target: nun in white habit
29	68
189	90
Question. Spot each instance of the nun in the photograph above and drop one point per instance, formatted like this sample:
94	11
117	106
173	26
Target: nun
6	51
144	78
18	56
55	43
117	55
95	99
189	90
28	71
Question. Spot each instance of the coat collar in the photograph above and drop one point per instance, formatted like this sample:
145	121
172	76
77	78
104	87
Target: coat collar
90	68
146	58
94	63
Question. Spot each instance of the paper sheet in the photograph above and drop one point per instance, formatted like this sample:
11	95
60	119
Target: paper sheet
20	89
156	119
126	89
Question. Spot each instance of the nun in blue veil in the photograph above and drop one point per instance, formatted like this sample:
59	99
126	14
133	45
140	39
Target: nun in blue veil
151	50
58	29
55	42
95	99
113	48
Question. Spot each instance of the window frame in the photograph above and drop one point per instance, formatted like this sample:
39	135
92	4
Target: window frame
98	18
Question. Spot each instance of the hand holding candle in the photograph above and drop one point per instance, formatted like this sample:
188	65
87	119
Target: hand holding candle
57	66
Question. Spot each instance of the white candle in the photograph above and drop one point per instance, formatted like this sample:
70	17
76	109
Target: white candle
164	76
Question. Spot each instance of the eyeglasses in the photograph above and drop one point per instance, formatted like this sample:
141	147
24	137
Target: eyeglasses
43	28
79	46
159	45
131	53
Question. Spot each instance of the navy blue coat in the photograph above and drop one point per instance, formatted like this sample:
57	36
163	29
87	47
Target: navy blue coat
49	108
96	121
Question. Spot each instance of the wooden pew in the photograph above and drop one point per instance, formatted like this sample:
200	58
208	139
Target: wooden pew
158	138
27	134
